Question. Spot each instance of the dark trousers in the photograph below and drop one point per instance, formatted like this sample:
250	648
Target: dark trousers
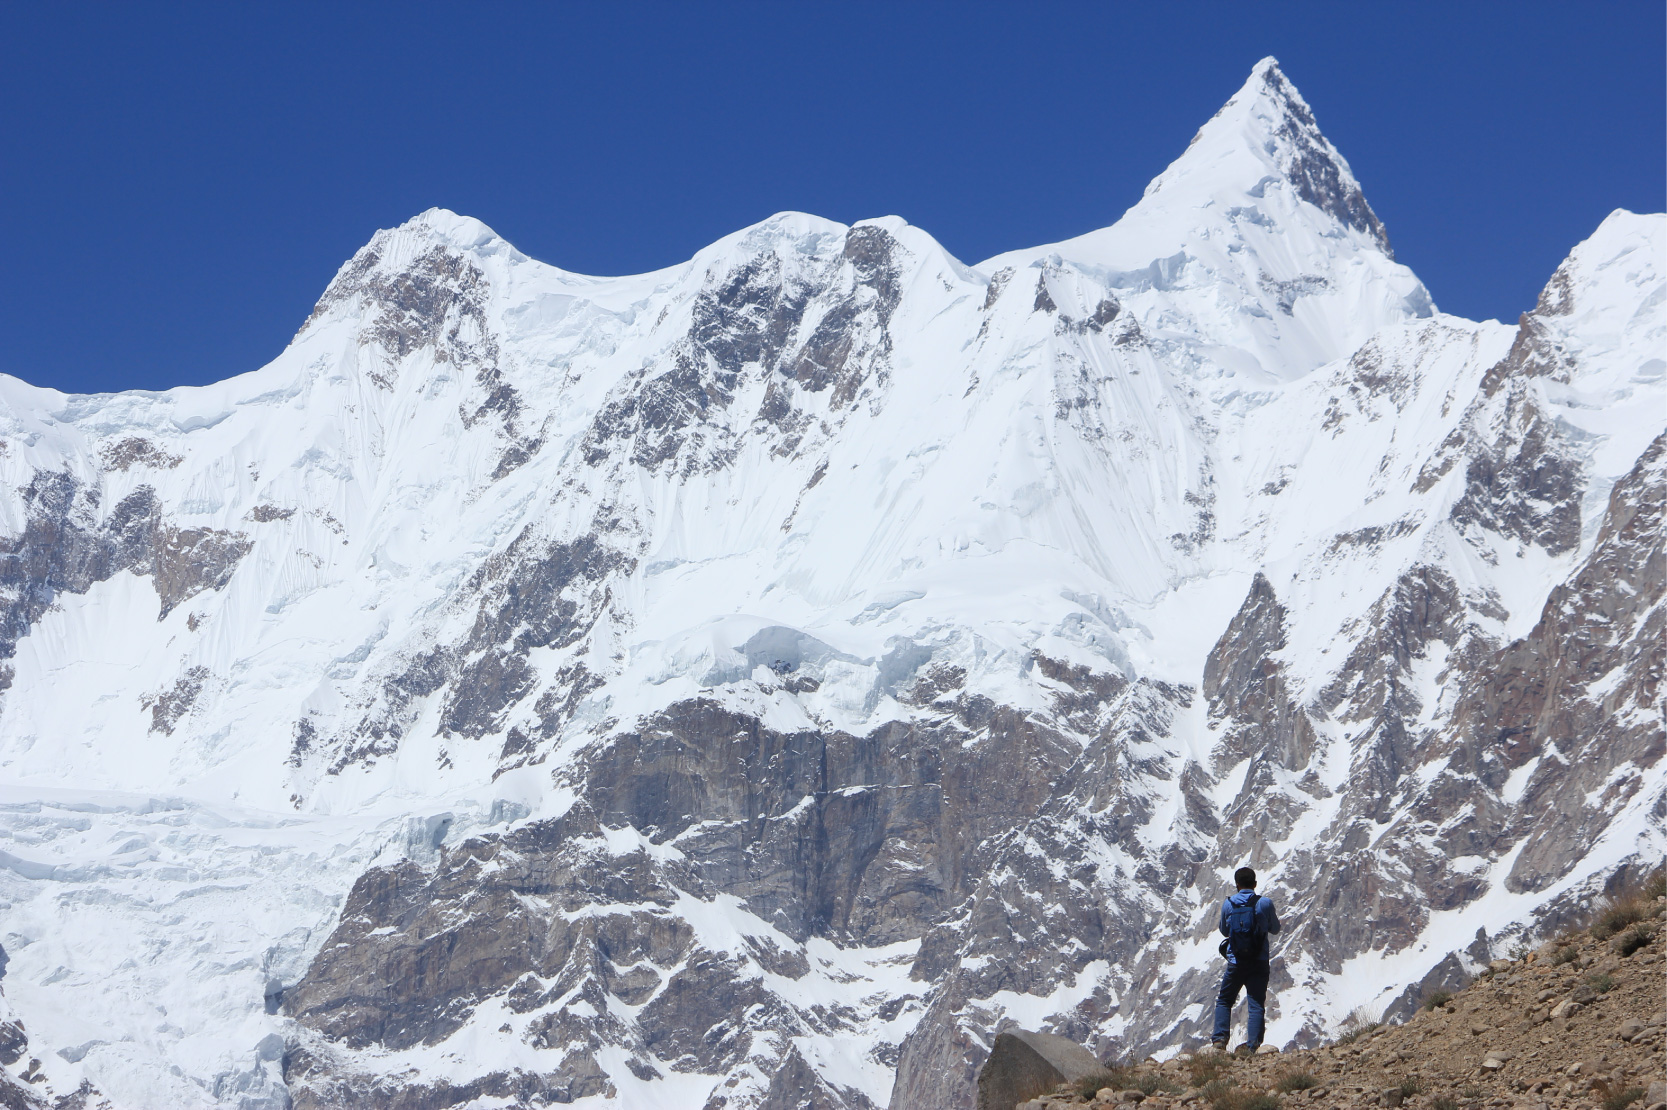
1253	977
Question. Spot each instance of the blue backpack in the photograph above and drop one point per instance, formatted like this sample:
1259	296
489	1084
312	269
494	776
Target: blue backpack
1244	939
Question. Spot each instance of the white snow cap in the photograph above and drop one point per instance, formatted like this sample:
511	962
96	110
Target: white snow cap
1267	129
462	232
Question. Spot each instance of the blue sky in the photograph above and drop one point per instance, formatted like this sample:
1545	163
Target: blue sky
180	182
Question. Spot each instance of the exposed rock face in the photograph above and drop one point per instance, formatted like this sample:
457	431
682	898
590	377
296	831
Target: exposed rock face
1313	165
864	840
1244	683
1575	706
67	544
771	681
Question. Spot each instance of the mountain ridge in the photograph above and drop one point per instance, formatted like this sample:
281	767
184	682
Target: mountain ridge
768	677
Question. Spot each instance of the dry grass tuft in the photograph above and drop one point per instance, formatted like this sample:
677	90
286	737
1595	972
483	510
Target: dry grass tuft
1361	1022
1126	1077
1628	906
1633	939
1204	1070
1239	1098
1616	1097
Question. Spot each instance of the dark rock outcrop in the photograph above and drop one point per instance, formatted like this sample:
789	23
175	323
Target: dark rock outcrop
867	840
1314	166
1023	1064
68	545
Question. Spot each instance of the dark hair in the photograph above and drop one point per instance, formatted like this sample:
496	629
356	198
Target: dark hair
1245	877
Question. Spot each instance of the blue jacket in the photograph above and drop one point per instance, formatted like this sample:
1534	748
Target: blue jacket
1267	919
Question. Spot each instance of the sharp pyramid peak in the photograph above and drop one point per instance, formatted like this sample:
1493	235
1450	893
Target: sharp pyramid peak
1268	119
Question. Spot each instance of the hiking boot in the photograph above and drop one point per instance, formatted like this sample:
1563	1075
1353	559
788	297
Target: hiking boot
1217	1046
1246	1049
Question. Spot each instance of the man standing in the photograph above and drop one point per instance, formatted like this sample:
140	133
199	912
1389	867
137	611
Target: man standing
1247	920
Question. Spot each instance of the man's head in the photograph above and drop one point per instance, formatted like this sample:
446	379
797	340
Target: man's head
1246	878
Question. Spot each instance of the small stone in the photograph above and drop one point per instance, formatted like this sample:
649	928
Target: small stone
1500	965
1268	1050
1657	1092
1631	1028
1131	1095
1493	1063
1105	1094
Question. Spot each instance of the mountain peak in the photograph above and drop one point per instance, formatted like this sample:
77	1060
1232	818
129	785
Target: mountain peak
1269	121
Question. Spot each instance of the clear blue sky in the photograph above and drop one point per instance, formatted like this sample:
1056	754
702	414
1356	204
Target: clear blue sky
179	183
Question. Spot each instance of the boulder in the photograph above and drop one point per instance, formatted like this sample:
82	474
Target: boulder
1023	1065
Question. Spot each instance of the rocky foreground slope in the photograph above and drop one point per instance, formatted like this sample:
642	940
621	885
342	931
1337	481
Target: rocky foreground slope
762	681
1578	1023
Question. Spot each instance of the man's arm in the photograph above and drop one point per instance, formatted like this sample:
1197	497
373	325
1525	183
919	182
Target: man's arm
1222	924
1270	919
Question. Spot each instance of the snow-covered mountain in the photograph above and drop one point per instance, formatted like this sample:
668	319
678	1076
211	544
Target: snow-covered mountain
753	684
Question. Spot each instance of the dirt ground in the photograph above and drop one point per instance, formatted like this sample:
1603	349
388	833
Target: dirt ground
1575	1025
